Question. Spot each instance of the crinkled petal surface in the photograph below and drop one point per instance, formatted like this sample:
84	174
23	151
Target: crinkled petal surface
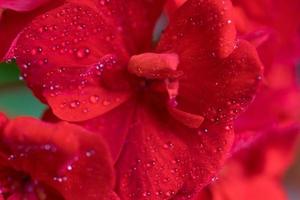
70	160
65	53
12	23
62	55
221	75
162	159
133	16
113	126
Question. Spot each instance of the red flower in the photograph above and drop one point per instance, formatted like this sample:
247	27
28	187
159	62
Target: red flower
255	171
170	111
46	161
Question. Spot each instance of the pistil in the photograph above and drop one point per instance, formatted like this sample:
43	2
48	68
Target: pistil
164	67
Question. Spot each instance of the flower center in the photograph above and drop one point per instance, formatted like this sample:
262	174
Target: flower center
12	182
163	69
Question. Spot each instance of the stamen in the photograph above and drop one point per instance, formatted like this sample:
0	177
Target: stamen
155	66
187	119
164	66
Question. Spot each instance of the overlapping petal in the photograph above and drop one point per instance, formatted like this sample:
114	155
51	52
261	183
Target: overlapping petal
12	23
162	159
221	74
66	53
75	59
113	126
136	18
283	11
63	158
280	54
255	172
62	55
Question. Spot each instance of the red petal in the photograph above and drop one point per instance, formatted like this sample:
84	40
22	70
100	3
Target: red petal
284	111
172	5
113	126
273	152
255	172
236	187
76	94
20	5
162	159
283	11
203	27
280	84
141	15
3	120
62	55
11	23
75	162
212	87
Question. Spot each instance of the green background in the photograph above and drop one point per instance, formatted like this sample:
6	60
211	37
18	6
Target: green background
15	98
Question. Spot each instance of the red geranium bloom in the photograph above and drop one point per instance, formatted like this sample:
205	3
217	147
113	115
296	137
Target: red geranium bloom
167	115
53	162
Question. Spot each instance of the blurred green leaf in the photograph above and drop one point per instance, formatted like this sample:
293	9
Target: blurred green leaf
9	73
15	98
18	100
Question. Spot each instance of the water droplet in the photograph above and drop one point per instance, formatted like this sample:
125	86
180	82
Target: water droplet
11	157
74	104
60	179
85	110
25	66
214	179
69	167
47	147
33	52
106	102
94	99
84	52
90	153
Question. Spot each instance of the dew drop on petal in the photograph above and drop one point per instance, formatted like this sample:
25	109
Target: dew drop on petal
74	104
83	52
106	102
94	99
69	167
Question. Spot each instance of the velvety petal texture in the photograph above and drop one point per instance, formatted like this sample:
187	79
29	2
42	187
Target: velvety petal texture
162	159
169	129
20	5
259	11
63	160
59	48
255	172
72	49
113	126
13	22
220	74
